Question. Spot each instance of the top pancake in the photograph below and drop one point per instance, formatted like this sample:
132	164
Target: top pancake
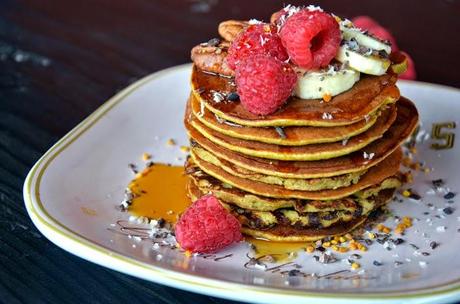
362	100
287	136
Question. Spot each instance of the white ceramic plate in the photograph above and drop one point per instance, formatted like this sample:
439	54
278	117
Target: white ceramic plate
72	192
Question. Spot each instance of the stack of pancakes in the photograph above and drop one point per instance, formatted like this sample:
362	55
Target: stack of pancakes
311	170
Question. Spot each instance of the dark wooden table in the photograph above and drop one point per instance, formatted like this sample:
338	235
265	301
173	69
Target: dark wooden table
60	60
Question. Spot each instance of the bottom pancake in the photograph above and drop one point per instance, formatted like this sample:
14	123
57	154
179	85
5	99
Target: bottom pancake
290	234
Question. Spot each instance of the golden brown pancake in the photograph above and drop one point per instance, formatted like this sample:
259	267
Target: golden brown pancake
290	136
405	123
289	233
200	184
312	184
363	99
388	167
302	153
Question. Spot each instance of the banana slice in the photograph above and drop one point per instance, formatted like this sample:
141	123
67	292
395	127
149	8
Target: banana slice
367	62
327	82
363	38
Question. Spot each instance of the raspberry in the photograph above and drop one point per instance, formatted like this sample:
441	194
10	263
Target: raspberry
264	83
206	226
311	38
256	39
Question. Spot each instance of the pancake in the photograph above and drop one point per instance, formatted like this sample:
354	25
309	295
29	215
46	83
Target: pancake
291	136
313	184
405	123
198	186
302	153
289	233
388	167
362	100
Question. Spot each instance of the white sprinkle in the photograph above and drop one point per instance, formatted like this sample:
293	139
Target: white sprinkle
137	238
113	225
134	246
430	192
344	142
368	156
254	21
331	70
417	253
262	40
423	264
408	260
201	113
156	246
258	280
441	228
217	97
313	8
327	115
132	218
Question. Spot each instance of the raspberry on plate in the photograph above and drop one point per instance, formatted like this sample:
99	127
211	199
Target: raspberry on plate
206	226
264	83
311	38
259	38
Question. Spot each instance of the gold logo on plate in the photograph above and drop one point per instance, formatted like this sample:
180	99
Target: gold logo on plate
447	138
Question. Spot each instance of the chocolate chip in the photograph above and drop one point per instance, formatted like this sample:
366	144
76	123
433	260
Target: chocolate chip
398	241
293	272
425	253
438	182
434	245
414	246
415	196
448	210
321	249
449	195
233	96
161	222
377	263
213	42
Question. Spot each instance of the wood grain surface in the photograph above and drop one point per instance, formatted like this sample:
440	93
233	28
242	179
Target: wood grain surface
60	60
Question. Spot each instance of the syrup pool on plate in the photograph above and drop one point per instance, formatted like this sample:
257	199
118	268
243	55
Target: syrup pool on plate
160	192
279	251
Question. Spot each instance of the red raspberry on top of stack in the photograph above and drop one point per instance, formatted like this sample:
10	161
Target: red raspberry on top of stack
259	38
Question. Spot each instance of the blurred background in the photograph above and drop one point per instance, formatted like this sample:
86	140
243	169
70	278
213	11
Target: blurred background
60	60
